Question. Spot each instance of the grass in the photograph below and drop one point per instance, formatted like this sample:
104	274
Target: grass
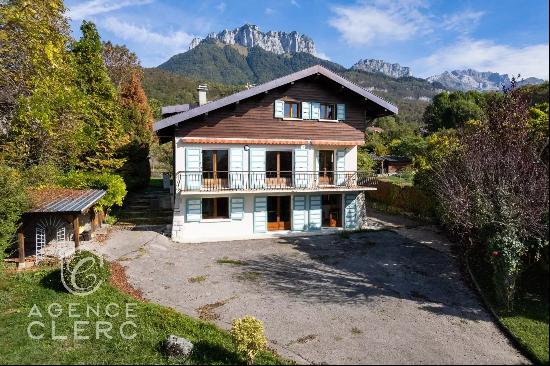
404	181
249	276
20	291
197	279
528	320
234	262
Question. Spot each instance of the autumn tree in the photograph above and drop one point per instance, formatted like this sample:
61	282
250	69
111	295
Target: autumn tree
138	120
39	104
493	188
121	63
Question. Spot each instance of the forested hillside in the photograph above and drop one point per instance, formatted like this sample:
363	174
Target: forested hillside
227	68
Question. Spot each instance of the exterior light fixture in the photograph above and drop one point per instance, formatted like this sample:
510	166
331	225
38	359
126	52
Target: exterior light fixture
246	147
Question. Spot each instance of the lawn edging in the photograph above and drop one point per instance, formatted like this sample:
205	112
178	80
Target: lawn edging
518	344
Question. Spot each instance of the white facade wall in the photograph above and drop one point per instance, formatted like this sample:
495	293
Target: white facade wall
209	230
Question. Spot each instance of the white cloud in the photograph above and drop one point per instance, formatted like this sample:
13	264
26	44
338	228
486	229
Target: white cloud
485	55
388	20
159	46
463	21
94	7
221	7
322	55
295	3
269	11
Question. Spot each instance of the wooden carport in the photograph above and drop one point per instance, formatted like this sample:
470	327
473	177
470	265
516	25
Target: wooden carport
67	206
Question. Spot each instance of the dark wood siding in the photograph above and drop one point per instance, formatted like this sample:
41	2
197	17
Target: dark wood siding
253	118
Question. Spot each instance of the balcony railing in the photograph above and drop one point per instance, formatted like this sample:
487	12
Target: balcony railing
208	181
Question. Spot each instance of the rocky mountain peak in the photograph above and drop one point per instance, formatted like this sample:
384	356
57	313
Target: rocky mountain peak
380	66
250	35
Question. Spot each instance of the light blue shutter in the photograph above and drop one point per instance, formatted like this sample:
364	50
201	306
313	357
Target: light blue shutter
237	208
301	174
341	112
340	166
306	110
314	212
257	167
236	167
260	214
279	109
299	213
193	168
315	110
350	211
193	210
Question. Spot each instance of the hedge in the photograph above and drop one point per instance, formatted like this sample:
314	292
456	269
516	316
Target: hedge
404	199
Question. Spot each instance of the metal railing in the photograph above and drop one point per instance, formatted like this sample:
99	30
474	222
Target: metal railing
210	181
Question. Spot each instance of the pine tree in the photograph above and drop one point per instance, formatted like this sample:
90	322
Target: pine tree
103	124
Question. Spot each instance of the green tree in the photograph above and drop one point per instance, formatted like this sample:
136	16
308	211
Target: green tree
453	110
40	106
103	125
13	202
411	146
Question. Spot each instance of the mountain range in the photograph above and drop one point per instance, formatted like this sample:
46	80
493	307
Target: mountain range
249	35
290	51
231	59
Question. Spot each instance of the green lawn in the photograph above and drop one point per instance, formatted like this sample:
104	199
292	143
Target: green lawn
398	180
528	320
19	292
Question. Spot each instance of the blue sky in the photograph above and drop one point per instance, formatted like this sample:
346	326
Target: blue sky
430	36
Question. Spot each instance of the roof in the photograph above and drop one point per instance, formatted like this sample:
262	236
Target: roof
391	158
169	109
58	200
375	129
262	88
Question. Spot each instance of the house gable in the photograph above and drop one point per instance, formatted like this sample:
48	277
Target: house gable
250	114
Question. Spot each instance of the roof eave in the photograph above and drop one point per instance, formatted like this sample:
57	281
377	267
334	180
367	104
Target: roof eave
183	116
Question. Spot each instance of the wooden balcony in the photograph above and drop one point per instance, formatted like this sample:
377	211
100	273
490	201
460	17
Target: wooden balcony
232	181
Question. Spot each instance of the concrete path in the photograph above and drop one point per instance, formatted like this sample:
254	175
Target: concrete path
391	296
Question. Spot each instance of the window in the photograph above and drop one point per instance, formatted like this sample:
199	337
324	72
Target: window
215	164
215	208
293	110
328	111
278	163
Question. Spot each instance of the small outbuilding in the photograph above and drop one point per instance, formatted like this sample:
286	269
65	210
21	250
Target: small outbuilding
57	215
391	164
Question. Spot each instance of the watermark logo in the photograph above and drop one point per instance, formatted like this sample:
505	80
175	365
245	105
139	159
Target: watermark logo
80	274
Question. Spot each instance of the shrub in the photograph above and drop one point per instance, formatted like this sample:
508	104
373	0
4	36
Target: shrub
43	175
13	202
248	336
494	189
112	183
403	198
83	272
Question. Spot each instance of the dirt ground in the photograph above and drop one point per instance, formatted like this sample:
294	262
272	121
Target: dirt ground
389	296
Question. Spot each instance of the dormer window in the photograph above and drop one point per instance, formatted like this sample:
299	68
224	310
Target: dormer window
328	111
293	110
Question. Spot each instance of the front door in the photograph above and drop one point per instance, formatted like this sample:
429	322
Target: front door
278	213
332	210
326	166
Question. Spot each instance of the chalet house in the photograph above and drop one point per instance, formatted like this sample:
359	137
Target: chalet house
275	159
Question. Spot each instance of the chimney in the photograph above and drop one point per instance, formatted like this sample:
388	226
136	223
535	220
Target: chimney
203	88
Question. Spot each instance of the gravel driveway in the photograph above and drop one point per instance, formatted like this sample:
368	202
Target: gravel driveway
390	296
